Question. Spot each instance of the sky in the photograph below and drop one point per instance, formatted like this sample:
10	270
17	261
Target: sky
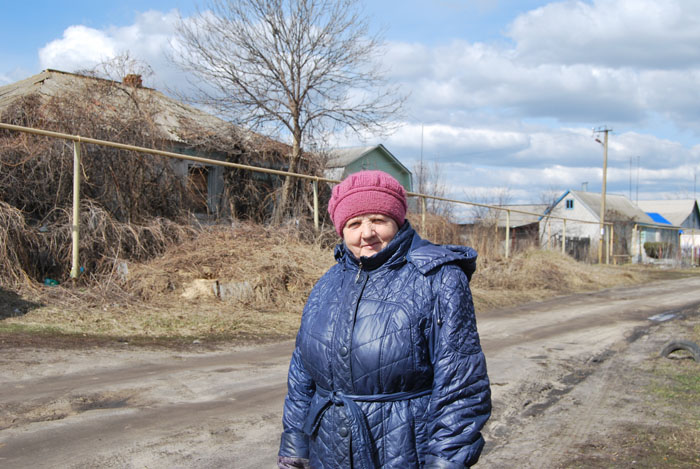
503	94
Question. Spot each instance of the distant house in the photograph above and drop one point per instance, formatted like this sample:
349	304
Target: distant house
524	227
683	213
344	161
181	128
633	230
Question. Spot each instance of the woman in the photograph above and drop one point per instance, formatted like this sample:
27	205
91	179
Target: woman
387	371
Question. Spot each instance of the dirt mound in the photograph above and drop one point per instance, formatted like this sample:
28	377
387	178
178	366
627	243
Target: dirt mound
251	264
537	274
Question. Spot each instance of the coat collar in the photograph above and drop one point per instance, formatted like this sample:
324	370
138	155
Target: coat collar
394	253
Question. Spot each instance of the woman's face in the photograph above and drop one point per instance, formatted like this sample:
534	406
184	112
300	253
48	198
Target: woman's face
368	234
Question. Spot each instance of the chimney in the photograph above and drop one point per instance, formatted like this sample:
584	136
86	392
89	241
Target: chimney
133	79
584	186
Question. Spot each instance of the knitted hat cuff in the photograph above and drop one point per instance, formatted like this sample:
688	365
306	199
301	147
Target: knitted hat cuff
364	193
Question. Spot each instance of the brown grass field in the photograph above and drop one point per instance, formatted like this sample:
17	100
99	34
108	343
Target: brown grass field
263	277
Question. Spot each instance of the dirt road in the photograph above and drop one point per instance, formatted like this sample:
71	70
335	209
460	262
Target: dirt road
126	407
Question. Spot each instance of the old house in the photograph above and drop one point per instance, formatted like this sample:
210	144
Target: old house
523	222
683	213
344	161
128	112
635	236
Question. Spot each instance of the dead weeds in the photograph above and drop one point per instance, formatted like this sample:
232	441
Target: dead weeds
250	282
536	274
642	447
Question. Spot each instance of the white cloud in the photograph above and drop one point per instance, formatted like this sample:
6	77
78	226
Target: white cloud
147	40
492	113
614	61
450	141
81	47
614	33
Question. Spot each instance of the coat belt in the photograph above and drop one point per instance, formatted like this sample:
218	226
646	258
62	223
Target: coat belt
355	415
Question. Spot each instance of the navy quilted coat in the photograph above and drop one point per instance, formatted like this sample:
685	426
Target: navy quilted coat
388	371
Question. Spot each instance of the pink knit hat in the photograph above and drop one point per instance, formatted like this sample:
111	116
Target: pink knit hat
367	192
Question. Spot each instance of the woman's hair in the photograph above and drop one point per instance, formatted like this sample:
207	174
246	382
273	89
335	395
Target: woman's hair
367	192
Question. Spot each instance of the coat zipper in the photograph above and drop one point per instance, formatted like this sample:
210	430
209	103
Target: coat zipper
359	271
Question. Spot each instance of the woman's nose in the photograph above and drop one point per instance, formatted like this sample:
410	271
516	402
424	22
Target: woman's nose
367	230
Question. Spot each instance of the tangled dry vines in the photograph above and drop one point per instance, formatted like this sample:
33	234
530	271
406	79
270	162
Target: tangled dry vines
134	205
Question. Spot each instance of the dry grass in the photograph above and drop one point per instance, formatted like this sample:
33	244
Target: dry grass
438	229
43	250
264	275
268	273
536	274
14	242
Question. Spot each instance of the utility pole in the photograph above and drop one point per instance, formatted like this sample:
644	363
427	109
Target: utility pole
601	245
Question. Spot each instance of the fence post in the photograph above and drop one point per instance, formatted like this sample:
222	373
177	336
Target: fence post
422	219
563	237
314	183
75	268
507	233
612	242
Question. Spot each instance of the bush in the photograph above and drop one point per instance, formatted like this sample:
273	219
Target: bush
658	250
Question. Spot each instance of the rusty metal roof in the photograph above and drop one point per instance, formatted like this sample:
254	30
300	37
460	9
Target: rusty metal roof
174	118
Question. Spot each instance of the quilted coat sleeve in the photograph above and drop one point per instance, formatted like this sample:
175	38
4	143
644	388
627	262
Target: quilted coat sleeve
300	390
460	403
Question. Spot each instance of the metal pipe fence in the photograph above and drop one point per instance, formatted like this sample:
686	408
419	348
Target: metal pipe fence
78	140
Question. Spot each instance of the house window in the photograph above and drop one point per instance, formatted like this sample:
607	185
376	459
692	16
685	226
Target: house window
570	204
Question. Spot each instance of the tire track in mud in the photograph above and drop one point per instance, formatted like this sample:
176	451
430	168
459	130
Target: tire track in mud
223	409
36	448
581	418
539	369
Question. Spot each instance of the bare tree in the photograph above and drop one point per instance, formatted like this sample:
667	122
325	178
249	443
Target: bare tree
297	67
550	196
429	179
496	197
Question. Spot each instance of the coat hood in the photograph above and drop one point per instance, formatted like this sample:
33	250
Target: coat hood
427	256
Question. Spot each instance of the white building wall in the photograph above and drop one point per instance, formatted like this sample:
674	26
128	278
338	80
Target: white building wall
690	244
554	228
690	238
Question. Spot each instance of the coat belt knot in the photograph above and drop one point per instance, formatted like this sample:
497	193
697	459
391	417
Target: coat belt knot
357	419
